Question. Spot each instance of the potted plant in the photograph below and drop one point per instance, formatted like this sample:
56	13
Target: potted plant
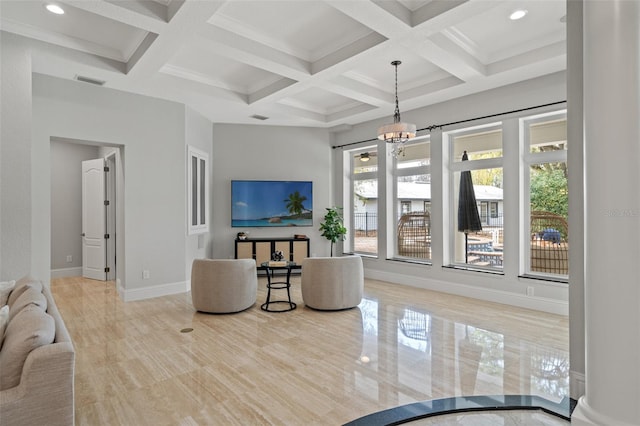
333	228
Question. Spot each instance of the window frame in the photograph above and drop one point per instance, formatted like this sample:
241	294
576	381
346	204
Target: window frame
198	185
353	177
397	172
530	159
454	167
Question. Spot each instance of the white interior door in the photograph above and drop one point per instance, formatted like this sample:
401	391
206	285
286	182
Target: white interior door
93	220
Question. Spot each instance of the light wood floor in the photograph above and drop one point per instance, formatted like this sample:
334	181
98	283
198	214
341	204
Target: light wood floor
134	366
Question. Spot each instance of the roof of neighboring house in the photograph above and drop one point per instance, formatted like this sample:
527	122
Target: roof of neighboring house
422	191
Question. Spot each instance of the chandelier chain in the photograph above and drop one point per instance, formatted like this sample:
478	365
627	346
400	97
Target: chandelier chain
396	115
397	133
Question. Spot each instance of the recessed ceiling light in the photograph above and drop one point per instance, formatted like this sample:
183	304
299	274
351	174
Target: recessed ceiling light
518	14
54	8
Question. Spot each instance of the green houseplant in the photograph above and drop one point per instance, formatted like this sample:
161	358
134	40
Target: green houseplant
333	228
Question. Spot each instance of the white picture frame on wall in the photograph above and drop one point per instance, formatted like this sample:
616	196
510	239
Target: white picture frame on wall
197	191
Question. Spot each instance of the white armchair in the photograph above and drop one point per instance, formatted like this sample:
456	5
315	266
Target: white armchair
332	283
223	285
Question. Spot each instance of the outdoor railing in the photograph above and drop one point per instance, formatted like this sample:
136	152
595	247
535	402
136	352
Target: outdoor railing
365	224
548	251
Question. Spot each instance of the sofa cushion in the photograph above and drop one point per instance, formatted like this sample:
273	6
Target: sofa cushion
6	287
30	297
30	329
4	320
21	286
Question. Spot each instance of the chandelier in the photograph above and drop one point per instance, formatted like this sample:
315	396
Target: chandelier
397	133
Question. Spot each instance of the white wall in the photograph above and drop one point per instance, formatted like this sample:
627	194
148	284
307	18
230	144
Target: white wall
152	133
15	161
199	134
575	136
66	202
507	287
269	153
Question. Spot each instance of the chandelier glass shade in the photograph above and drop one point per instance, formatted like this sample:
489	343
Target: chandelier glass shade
397	133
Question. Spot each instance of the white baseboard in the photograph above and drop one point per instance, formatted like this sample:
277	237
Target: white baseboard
129	295
66	272
552	306
585	415
576	384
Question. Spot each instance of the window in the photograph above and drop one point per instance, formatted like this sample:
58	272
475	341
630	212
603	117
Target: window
364	217
478	242
405	207
537	196
546	194
198	191
413	201
494	209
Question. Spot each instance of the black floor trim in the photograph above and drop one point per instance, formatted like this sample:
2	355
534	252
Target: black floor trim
437	407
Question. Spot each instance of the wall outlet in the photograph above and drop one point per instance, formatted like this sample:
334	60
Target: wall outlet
145	274
530	291
69	258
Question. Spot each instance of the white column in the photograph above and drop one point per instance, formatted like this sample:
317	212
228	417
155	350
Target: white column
612	213
16	251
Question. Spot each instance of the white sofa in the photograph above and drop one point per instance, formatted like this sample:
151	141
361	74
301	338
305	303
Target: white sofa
44	394
332	283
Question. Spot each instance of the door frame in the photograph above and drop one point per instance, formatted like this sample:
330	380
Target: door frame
117	152
111	220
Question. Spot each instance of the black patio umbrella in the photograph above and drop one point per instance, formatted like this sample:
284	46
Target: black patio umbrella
468	217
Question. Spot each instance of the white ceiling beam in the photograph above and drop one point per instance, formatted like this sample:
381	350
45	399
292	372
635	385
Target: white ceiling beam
349	113
67	63
299	112
361	92
187	74
430	88
447	55
191	16
57	39
347	52
184	88
528	59
438	15
152	9
383	20
238	48
241	29
270	90
118	12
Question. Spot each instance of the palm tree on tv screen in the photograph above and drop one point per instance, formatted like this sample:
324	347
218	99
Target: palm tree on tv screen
295	203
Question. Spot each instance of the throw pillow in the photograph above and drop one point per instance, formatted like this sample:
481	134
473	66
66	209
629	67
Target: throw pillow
30	329
6	287
4	319
30	297
21	286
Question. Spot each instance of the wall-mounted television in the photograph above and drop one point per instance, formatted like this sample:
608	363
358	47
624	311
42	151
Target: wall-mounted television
271	203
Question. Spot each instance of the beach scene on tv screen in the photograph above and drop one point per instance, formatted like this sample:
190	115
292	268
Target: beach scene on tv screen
271	203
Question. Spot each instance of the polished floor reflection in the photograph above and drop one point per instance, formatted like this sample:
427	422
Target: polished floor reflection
494	418
401	345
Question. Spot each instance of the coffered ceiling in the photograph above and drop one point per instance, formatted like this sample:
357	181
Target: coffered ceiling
295	62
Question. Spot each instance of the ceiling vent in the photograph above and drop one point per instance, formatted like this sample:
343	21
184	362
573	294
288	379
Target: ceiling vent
90	80
259	117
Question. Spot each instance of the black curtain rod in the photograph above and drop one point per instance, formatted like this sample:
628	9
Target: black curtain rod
440	126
